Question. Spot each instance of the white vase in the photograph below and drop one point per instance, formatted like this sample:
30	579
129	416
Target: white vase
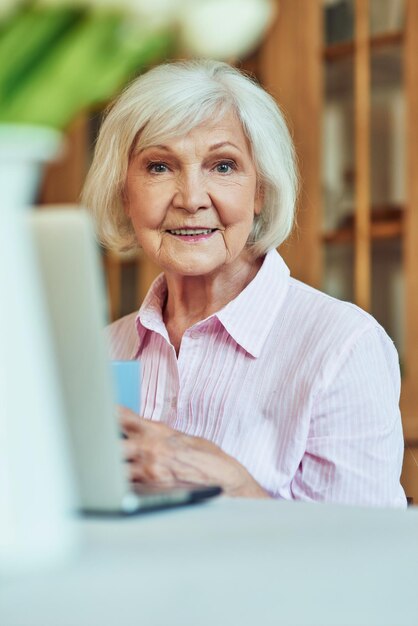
36	496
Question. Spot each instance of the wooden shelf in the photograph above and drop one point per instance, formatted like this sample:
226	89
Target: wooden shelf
379	230
392	64
345	49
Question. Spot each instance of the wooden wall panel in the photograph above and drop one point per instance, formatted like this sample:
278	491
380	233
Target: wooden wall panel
290	67
409	402
362	259
64	179
409	478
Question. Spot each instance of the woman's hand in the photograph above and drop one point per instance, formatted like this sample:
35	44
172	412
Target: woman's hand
159	455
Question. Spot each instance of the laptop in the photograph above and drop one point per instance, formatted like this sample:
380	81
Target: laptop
72	280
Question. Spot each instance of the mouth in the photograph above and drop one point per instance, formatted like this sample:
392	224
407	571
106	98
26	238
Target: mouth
192	232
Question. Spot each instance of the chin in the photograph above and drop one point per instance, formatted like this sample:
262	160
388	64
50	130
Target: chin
194	267
195	270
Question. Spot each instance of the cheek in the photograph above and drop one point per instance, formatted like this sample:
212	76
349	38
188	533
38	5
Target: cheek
237	206
144	201
239	220
144	211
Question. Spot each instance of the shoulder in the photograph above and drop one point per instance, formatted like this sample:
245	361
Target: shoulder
308	310
335	329
122	337
327	313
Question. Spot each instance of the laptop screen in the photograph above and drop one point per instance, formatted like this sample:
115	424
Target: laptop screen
76	302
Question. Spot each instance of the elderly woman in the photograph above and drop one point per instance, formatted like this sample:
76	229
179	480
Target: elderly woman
250	379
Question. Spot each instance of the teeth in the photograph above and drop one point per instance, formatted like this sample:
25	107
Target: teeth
192	231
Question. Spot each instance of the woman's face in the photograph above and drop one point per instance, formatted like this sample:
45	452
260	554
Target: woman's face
192	200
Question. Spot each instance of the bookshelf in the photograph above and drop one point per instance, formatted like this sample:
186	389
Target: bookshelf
375	74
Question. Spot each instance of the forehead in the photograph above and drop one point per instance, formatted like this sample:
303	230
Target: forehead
227	130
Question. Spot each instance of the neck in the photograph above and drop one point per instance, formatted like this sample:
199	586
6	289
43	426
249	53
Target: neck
191	299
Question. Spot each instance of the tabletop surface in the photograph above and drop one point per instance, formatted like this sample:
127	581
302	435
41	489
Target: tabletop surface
231	562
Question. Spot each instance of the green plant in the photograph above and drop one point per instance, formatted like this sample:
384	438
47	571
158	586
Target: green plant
58	57
56	61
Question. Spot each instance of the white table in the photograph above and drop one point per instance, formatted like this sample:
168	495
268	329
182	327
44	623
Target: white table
232	562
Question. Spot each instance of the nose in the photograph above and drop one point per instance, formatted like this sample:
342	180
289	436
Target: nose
191	193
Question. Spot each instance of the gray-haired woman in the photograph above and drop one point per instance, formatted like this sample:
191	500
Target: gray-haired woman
250	379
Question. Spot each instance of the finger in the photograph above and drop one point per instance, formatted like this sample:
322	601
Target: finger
133	423
123	411
129	420
130	450
150	474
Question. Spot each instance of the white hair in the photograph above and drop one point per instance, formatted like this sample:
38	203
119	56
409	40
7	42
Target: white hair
170	100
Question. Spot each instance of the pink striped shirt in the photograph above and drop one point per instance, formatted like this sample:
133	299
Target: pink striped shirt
301	388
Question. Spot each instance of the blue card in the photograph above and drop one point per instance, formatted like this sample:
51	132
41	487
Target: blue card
126	377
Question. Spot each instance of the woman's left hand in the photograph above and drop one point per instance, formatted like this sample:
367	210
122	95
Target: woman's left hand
160	455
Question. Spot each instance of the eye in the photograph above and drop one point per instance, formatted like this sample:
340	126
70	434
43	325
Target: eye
157	167
225	167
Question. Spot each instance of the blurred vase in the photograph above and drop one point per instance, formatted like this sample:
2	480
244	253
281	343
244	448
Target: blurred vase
36	498
224	29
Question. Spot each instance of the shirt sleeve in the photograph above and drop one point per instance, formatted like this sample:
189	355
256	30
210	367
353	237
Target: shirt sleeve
354	449
122	338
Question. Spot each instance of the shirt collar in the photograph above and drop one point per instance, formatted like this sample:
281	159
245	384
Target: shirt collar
248	318
150	314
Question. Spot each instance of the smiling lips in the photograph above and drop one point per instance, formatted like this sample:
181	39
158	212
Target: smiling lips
192	234
191	231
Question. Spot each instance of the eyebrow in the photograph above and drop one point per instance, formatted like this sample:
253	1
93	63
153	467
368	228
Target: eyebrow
156	147
222	144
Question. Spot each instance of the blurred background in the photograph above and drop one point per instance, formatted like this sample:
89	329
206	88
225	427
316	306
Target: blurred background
345	73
